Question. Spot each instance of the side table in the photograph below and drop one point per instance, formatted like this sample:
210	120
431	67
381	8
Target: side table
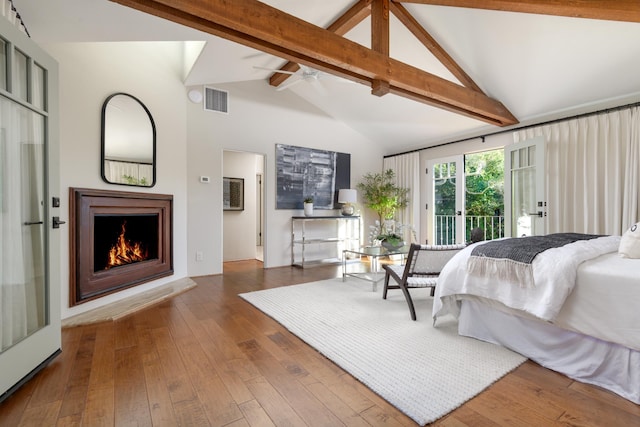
374	253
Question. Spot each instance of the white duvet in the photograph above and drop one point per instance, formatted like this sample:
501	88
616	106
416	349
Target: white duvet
554	275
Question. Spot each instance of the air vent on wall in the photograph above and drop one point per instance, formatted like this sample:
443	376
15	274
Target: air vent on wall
216	100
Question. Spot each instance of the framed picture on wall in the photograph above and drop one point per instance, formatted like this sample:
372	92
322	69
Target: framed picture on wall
233	194
303	172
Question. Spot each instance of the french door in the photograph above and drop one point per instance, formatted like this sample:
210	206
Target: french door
447	202
29	247
467	193
527	207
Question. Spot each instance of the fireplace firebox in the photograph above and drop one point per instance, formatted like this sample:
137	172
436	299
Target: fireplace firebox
124	239
118	240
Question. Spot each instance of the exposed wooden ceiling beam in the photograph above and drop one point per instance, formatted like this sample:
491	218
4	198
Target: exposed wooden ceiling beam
609	10
342	25
380	26
380	40
263	27
434	47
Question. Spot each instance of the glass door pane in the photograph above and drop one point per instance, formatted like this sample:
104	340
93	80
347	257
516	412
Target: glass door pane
20	75
523	192
484	194
3	64
445	202
39	87
525	162
22	221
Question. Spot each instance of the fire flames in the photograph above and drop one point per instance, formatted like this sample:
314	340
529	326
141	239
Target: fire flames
125	251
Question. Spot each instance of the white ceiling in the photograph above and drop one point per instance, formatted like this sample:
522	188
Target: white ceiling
540	67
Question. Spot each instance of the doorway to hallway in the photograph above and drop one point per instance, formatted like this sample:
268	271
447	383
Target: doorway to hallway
243	229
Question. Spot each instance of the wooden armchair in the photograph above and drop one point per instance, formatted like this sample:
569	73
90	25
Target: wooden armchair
421	270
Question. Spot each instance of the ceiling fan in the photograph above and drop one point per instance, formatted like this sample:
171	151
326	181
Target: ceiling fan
306	74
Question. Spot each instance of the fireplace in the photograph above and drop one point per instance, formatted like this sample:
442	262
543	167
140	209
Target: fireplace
118	240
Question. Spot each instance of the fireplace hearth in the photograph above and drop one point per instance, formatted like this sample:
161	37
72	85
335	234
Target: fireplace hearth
118	240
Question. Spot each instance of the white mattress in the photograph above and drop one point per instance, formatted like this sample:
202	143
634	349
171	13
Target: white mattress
604	302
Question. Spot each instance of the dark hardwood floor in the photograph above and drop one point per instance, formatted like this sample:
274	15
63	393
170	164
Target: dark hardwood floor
206	357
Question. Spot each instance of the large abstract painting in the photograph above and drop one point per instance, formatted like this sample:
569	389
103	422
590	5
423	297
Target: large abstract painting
306	172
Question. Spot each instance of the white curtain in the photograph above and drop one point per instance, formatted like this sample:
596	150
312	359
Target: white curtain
21	201
407	175
593	171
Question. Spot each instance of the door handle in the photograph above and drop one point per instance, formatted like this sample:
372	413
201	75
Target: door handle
33	222
539	213
459	213
57	222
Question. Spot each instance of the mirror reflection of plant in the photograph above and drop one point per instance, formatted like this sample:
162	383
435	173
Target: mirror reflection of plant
381	194
132	180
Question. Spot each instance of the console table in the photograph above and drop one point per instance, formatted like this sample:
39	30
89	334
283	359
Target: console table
333	233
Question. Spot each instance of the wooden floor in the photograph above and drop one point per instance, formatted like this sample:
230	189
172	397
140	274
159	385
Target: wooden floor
206	357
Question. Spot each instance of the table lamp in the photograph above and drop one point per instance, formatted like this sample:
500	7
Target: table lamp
347	197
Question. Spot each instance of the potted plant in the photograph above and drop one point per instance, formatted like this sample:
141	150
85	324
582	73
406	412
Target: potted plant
308	206
390	238
382	195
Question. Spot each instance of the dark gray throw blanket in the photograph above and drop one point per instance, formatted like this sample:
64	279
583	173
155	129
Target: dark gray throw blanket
525	249
510	259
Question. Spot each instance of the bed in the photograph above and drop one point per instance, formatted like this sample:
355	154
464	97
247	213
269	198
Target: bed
572	309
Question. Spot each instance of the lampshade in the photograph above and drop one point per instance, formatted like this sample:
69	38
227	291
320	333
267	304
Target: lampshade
347	195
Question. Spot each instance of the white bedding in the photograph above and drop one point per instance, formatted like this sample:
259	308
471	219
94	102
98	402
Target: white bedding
603	302
554	275
612	366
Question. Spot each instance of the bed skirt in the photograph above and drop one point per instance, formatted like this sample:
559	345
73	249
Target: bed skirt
580	357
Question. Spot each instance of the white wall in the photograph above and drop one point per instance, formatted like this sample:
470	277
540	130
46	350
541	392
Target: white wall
190	143
239	227
259	117
152	72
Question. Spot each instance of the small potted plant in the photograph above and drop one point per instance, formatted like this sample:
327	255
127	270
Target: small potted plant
308	206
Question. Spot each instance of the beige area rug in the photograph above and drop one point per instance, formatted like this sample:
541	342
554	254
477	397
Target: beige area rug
423	371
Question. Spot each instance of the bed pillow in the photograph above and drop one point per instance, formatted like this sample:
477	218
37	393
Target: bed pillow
630	242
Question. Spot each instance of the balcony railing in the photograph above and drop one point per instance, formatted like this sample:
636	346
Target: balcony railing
445	226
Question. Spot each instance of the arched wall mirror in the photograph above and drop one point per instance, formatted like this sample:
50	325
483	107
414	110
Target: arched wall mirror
128	142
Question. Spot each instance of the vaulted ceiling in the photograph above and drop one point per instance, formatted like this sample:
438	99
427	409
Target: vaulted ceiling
428	71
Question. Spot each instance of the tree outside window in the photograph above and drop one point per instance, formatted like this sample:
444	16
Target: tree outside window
484	192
